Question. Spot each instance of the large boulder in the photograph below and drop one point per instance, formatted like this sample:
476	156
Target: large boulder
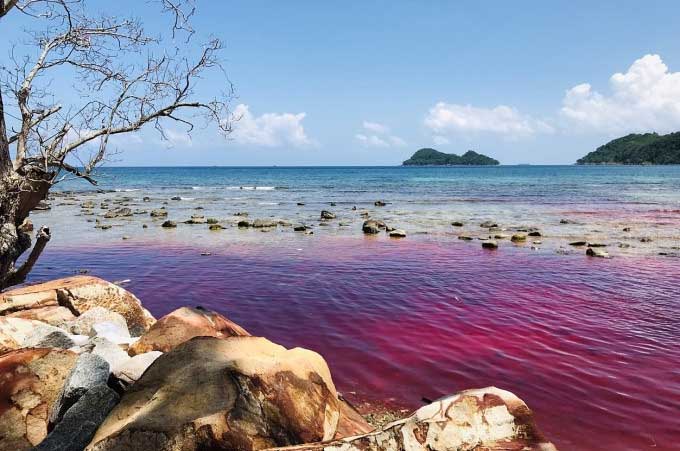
80	294
243	393
30	382
82	324
182	325
483	419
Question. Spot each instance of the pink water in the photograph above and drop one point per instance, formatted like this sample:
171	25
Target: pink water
592	346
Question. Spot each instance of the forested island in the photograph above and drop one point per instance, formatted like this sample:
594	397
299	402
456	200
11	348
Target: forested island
432	157
648	148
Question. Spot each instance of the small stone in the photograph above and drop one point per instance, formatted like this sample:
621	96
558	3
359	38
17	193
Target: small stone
626	229
325	214
159	213
592	252
300	204
597	245
398	233
370	227
488	224
465	238
379	203
490	244
578	243
215	227
175	198
535	233
244	223
169	225
518	238
457	224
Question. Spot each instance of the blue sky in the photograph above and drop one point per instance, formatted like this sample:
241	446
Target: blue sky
369	82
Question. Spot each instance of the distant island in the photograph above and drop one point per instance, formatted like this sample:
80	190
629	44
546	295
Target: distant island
432	157
648	148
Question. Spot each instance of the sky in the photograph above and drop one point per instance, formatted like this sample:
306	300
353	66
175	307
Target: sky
370	82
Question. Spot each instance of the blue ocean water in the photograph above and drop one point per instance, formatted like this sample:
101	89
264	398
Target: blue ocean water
544	184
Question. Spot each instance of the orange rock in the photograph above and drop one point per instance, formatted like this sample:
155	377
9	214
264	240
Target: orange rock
243	393
182	325
30	381
79	294
54	315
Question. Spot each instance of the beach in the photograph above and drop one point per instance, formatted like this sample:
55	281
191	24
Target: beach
588	343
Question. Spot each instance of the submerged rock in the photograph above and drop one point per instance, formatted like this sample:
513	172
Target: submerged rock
597	252
490	244
370	227
169	225
457	224
518	238
159	213
234	393
325	214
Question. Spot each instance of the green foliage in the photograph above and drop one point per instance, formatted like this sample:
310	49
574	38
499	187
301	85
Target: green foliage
648	148
431	157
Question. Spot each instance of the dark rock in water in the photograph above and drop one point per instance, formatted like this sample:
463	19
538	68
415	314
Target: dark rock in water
567	221
592	252
370	227
325	214
300	204
578	243
354	208
159	213
169	224
489	244
212	221
626	229
379	203
241	213
118	212
81	421
488	224
56	339
263	223
518	238
199	208
175	198
90	371
332	204
103	226
465	238
144	226
535	233
646	240
244	223
215	227
457	224
146	199
301	228
597	245
398	233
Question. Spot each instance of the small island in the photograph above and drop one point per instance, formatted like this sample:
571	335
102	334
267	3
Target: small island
648	148
432	157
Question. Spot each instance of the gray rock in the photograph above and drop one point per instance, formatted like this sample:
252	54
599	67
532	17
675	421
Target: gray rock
325	214
370	227
398	233
113	332
57	339
89	372
83	324
169	225
159	213
80	422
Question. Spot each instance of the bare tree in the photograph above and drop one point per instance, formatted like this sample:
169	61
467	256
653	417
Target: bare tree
123	79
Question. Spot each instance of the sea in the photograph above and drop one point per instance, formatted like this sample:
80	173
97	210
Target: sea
592	345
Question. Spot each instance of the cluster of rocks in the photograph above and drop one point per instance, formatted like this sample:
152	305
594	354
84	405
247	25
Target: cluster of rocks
85	367
522	235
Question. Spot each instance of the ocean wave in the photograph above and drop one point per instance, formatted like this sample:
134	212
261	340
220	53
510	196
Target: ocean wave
251	188
187	198
267	203
126	190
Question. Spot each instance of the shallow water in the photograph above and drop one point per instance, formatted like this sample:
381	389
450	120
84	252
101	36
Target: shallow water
591	345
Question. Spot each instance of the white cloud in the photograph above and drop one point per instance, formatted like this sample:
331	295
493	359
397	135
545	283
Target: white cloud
269	129
445	119
378	135
645	98
440	140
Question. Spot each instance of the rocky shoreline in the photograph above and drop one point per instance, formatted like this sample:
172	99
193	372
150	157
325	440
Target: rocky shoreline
85	366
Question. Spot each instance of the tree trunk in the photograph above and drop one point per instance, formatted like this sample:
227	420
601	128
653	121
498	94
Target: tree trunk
19	194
